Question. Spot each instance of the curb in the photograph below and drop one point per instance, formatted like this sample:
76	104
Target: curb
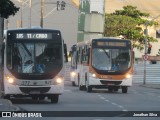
151	86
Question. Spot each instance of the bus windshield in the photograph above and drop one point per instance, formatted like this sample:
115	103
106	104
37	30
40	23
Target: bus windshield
34	57
111	60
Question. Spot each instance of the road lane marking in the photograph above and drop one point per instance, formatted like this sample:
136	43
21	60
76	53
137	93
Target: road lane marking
99	95
102	98
67	90
107	100
124	110
114	103
120	106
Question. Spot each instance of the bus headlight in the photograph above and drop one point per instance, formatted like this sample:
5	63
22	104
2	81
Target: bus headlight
73	74
10	79
92	75
58	80
128	76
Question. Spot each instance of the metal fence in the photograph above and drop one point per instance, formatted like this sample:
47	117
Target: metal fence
152	73
67	71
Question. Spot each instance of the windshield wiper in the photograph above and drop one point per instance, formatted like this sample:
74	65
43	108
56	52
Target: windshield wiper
26	49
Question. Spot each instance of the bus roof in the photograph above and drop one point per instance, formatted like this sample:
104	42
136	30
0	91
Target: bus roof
25	29
110	38
88	42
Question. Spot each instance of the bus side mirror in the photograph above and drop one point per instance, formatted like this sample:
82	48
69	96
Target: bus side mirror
65	53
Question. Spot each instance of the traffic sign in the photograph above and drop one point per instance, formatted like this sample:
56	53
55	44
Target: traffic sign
151	58
145	57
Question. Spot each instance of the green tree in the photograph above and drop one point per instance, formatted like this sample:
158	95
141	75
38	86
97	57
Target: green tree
7	8
128	22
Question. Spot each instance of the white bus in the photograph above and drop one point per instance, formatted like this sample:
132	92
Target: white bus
33	61
104	63
73	72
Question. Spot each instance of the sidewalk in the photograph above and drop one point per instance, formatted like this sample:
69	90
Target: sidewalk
6	105
155	86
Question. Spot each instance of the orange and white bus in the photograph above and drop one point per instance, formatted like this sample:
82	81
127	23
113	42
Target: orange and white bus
105	63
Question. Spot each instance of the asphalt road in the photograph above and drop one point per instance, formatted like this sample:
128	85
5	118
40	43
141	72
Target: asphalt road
92	106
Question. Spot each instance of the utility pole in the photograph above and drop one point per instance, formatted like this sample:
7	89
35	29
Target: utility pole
42	13
21	13
60	5
145	52
30	15
104	13
145	48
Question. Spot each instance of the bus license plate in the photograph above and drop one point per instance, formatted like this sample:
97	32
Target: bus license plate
34	83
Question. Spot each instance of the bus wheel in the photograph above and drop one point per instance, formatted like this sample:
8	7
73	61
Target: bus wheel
73	83
89	89
110	89
124	89
116	89
80	87
54	98
6	97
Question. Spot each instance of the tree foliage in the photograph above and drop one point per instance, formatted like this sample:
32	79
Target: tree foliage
7	8
128	23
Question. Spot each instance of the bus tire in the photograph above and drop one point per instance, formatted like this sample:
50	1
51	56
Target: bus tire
73	83
116	89
124	89
110	89
89	89
80	87
54	98
6	97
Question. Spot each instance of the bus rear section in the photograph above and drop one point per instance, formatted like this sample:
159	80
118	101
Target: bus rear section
110	65
34	64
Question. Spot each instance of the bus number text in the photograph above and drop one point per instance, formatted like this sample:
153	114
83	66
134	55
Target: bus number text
25	83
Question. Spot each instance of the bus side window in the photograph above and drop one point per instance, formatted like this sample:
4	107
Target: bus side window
79	55
85	54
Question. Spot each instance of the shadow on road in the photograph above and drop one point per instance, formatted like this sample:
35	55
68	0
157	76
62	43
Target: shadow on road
28	101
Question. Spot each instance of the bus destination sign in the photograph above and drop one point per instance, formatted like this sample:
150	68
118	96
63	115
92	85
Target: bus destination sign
33	35
111	44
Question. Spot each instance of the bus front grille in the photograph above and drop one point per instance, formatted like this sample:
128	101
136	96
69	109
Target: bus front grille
31	90
105	82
